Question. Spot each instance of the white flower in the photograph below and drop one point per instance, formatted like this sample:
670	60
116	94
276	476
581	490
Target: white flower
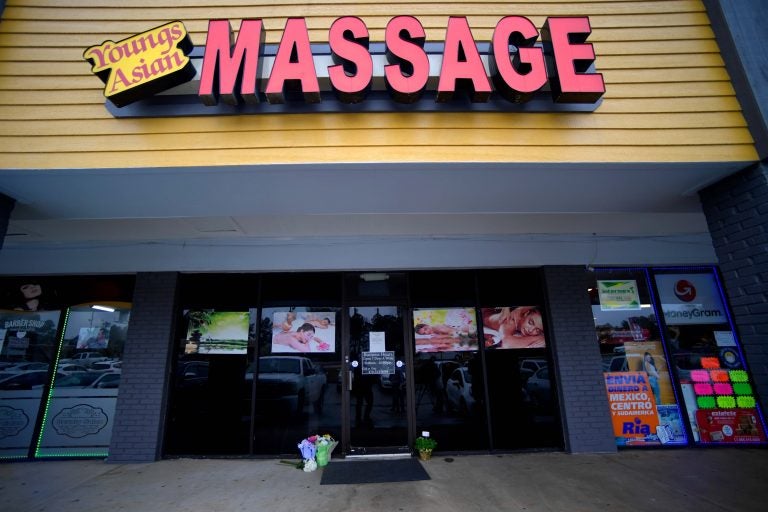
309	465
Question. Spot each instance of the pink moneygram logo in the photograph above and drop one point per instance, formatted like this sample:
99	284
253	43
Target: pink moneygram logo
685	291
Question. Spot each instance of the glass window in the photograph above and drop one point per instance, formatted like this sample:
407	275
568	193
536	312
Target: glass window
27	348
522	398
642	398
450	398
707	359
81	406
210	398
298	381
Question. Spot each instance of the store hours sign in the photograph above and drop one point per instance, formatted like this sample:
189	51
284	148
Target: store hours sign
521	69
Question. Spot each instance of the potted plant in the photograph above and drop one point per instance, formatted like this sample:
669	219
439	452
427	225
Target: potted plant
425	445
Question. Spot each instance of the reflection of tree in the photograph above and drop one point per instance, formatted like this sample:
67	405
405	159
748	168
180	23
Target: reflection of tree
198	319
265	336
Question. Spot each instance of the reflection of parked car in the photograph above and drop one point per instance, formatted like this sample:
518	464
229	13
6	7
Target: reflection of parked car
530	366
67	369
685	362
25	367
458	391
76	379
107	366
192	374
539	388
26	380
85	358
107	381
615	364
290	382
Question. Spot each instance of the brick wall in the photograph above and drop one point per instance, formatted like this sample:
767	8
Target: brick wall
139	417
579	376
737	213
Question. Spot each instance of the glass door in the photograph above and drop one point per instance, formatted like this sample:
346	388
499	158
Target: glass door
377	381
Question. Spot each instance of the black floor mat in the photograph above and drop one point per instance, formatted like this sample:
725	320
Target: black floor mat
373	471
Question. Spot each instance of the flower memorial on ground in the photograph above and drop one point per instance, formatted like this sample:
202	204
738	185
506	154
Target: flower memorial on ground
316	451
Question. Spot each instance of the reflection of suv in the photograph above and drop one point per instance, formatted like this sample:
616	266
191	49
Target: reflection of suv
289	382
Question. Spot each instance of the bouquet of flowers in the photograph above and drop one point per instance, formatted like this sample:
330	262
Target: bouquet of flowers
316	451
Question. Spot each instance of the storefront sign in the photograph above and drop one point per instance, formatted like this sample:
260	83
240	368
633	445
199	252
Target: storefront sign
688	299
618	295
144	64
513	69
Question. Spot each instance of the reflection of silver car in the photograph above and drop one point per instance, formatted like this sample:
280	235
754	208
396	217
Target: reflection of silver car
76	379
107	381
107	366
289	382
458	391
67	369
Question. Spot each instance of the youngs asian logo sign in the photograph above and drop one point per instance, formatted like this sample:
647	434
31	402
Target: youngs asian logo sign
143	65
520	69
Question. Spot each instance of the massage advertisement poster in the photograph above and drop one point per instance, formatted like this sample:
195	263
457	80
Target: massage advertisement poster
303	331
445	330
217	332
513	327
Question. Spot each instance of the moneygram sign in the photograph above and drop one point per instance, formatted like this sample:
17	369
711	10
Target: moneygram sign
520	69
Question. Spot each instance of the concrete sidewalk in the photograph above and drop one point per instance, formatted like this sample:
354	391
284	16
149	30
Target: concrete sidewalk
728	479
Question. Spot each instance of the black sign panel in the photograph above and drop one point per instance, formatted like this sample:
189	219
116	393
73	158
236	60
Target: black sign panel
378	363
